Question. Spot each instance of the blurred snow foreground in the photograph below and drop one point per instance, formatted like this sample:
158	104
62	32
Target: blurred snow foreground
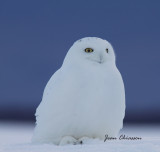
16	137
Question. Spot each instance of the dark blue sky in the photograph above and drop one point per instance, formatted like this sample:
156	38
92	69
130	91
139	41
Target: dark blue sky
36	35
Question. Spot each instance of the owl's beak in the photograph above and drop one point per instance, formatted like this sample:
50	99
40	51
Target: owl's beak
101	59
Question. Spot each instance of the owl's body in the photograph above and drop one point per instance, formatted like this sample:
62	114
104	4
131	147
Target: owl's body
84	98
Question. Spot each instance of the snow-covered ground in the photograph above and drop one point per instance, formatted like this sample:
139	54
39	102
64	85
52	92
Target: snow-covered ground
16	137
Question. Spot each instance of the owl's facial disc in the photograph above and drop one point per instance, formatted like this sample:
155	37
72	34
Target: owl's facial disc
91	50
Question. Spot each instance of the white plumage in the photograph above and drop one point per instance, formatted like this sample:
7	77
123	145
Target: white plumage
84	98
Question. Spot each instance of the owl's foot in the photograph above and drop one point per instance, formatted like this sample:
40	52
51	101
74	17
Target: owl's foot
83	140
69	140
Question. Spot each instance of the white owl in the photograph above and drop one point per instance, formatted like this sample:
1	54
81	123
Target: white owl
84	99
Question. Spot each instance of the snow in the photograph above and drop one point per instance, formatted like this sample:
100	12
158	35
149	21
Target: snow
16	137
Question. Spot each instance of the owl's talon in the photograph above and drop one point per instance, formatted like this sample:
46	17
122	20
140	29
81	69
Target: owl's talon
83	140
68	140
74	143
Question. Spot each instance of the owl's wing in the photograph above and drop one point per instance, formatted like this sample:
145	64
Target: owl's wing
48	91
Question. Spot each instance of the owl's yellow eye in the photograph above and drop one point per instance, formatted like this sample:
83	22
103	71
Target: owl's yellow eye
88	50
107	50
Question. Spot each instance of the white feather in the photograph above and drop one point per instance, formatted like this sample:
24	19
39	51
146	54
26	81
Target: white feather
85	97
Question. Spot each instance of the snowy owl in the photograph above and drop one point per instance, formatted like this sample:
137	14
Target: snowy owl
84	99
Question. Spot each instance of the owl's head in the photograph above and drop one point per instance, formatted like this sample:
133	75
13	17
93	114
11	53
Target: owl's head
90	50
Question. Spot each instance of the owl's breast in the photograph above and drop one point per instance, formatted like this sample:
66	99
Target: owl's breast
97	95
